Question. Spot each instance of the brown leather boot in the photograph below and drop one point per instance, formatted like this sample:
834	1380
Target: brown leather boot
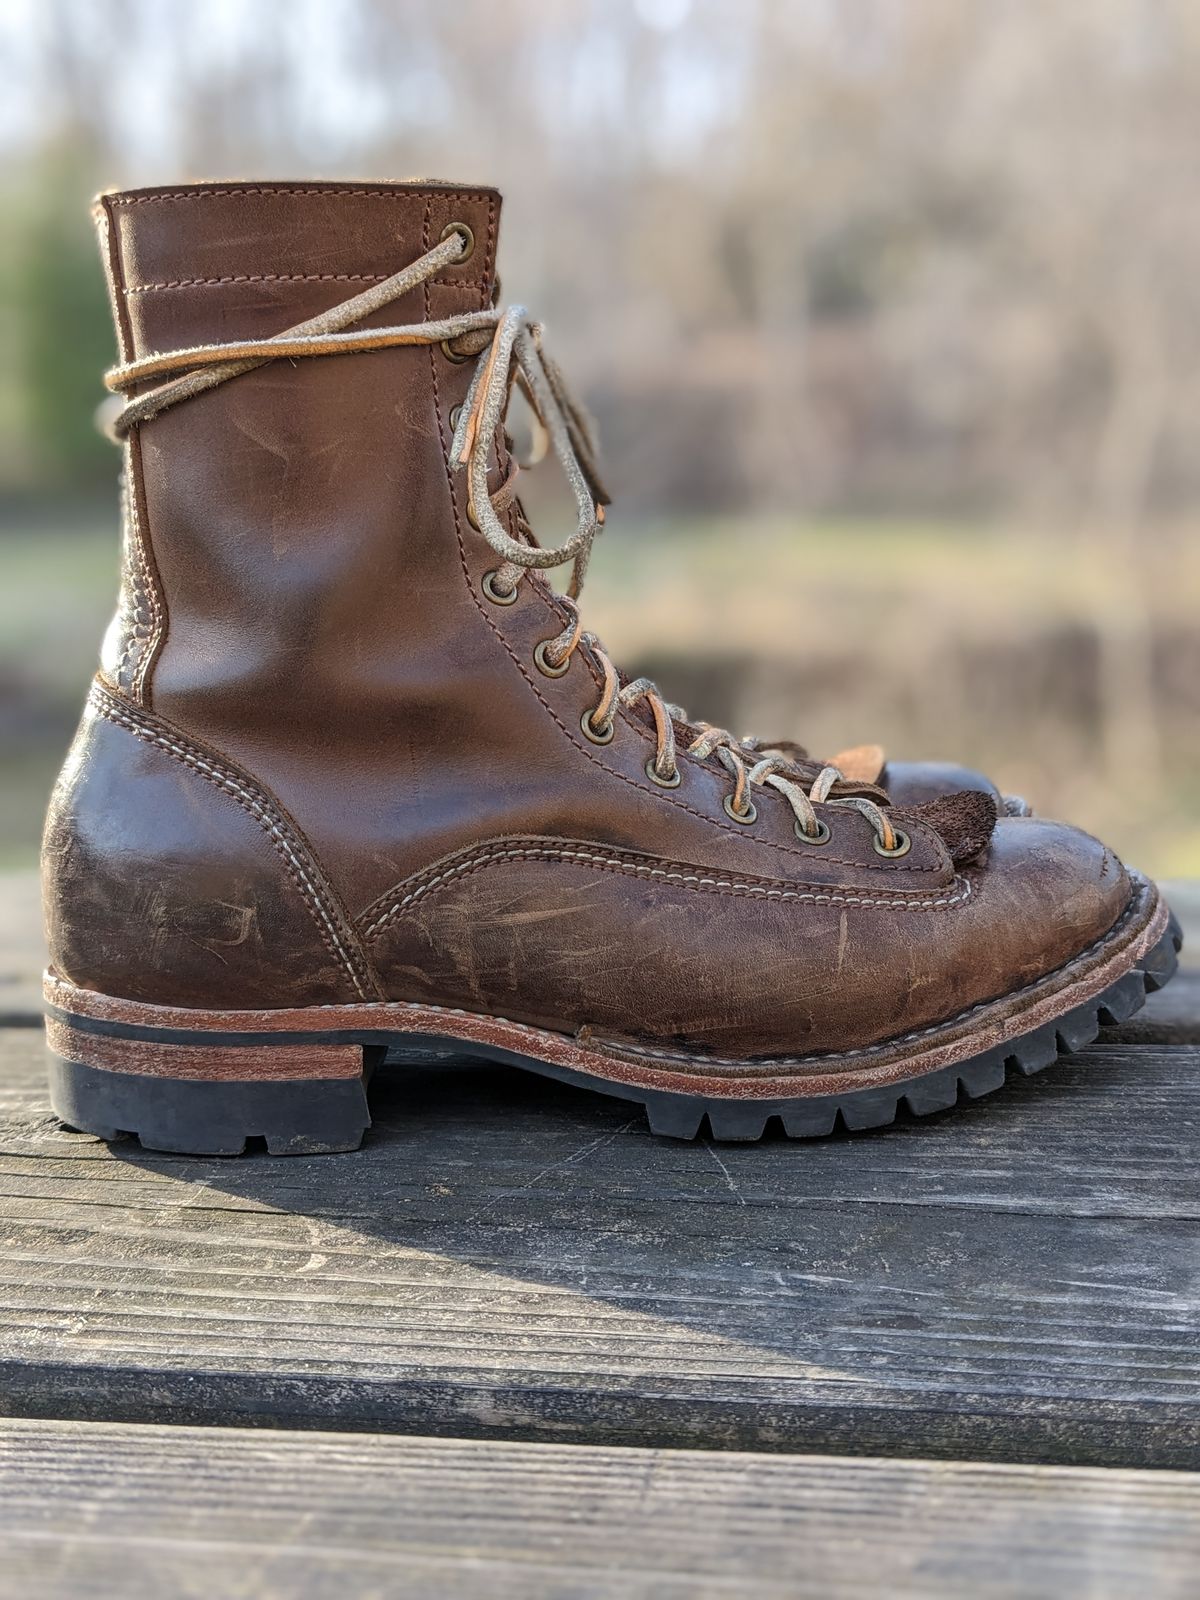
352	776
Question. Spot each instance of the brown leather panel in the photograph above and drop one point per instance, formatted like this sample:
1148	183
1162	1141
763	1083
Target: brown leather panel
163	884
244	236
555	938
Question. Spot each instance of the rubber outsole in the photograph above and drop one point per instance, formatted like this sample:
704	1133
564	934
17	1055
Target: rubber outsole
297	1115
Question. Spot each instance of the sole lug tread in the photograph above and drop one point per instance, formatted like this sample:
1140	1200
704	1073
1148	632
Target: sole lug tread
1126	996
815	1119
674	1116
192	1117
1078	1028
983	1076
1036	1051
737	1121
936	1092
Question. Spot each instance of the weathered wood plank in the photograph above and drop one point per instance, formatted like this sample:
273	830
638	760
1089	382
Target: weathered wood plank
509	1258
95	1509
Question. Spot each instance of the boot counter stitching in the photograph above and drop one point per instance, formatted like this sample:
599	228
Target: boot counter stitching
695	881
284	845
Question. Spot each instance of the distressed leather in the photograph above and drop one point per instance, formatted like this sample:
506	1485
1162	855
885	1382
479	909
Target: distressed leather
324	635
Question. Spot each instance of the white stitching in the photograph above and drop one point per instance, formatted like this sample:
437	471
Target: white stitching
287	277
148	591
254	804
262	277
619	864
418	194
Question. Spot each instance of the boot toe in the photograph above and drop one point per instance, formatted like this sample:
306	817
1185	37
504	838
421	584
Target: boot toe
1046	892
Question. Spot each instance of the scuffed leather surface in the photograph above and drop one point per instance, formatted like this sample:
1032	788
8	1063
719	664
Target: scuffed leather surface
160	886
740	969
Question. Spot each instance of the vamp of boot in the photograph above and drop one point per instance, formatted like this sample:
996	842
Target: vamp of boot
354	776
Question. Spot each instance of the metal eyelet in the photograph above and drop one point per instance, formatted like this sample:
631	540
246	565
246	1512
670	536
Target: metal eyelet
594	734
822	835
745	817
466	233
663	783
455	417
498	597
901	848
452	355
545	666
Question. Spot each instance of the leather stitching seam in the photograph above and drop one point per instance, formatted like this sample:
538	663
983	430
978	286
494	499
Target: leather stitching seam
696	881
146	592
280	836
282	277
399	193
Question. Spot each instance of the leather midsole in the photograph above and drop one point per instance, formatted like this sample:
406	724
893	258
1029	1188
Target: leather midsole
132	1036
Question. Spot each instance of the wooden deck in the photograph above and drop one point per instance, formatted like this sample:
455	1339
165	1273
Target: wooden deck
518	1346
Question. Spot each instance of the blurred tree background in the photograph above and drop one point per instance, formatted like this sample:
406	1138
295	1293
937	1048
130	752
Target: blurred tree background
888	310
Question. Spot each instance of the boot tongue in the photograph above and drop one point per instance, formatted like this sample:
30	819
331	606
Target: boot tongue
208	262
964	821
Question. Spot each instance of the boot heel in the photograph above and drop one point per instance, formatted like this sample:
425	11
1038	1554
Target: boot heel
198	1098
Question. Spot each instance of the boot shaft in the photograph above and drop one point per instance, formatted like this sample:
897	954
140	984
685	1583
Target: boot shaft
288	569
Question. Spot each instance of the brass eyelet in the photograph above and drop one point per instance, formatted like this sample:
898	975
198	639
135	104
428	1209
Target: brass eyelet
466	233
498	597
594	734
455	417
744	817
545	666
901	847
452	355
663	783
822	835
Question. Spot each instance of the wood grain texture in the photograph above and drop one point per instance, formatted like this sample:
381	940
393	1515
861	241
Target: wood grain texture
89	1510
508	1258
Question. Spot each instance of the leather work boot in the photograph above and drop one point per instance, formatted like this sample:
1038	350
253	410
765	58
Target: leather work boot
353	776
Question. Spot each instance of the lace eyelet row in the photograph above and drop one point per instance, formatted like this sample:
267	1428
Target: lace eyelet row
600	736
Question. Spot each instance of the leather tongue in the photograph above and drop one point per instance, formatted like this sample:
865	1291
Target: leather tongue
963	820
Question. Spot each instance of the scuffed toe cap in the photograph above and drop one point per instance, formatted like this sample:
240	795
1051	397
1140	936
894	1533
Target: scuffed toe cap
910	783
1046	892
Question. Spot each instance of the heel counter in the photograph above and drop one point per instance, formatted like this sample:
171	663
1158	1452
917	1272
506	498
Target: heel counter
169	876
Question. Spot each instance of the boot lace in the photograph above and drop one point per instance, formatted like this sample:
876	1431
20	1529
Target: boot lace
508	349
